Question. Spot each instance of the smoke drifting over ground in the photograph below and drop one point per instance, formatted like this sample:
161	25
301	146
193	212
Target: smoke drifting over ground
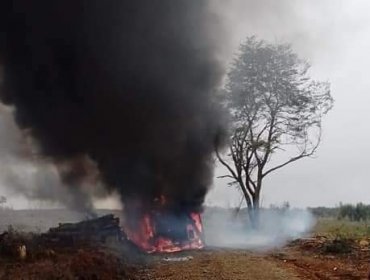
277	227
116	93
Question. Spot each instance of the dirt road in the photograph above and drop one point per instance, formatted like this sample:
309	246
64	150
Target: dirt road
291	262
225	265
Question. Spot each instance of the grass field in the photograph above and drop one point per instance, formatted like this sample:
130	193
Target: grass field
335	228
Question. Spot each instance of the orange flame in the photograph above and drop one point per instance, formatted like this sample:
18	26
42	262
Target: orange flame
146	238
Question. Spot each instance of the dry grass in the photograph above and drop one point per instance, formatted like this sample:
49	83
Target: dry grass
335	228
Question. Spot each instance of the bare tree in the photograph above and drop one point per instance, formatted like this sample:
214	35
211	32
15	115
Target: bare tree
273	105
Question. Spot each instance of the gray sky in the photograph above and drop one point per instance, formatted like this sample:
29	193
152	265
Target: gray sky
334	36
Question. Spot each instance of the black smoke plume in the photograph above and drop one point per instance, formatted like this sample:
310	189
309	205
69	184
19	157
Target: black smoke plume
124	86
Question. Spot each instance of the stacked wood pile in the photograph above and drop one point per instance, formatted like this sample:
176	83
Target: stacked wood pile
101	230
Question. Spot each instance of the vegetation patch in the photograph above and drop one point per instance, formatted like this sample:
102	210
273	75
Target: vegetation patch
338	246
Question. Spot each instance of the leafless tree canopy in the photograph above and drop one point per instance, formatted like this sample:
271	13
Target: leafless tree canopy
273	104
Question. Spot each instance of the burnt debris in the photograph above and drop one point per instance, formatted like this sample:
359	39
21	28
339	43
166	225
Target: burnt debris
94	230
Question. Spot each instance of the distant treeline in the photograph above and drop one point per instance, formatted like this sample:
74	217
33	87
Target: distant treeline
352	212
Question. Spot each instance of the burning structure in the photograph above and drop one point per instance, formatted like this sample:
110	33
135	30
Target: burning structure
118	94
154	232
159	230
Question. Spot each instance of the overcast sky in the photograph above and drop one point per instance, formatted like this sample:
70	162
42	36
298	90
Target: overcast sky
334	36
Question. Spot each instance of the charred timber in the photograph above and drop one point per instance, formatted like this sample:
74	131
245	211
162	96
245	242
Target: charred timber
94	230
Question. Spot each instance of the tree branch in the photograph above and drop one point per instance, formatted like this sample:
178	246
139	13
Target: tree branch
225	176
224	163
293	159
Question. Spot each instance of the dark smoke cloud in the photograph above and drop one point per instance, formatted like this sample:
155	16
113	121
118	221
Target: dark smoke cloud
117	92
23	173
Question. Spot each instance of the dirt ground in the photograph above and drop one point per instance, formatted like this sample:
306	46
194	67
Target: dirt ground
289	263
322	258
220	264
292	262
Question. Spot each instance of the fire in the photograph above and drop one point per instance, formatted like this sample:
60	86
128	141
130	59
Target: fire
160	231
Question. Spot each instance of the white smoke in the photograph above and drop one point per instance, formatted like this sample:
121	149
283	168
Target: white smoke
224	228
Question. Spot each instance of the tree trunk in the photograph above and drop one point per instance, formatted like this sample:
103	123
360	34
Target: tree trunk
253	211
